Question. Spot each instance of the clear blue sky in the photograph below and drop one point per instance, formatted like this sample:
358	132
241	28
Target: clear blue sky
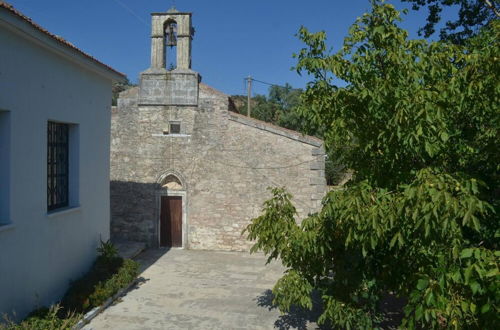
234	38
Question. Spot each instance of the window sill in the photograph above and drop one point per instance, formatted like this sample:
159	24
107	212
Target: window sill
171	135
6	227
63	211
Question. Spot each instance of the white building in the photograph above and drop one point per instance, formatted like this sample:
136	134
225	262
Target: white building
54	162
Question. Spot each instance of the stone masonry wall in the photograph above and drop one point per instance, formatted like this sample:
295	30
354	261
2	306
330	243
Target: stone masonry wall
225	162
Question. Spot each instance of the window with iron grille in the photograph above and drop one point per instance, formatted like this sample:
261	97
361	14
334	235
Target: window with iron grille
57	165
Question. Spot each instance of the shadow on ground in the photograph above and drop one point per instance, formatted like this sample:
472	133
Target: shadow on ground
296	318
149	257
299	318
145	259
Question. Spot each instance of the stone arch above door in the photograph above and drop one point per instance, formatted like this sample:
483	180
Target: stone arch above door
171	193
171	180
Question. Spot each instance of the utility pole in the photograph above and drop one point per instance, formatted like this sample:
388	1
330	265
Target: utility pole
249	95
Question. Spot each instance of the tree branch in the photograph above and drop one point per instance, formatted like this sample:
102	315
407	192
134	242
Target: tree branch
492	7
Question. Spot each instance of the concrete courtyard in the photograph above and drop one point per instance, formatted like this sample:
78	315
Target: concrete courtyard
185	289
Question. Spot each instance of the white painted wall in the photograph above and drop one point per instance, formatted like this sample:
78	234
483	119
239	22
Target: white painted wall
40	253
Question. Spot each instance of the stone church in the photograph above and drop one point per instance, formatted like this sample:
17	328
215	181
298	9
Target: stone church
187	171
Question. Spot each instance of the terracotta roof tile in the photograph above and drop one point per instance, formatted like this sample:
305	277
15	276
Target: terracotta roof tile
62	41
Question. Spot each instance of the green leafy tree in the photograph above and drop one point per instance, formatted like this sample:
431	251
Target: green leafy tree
418	123
278	108
263	109
286	96
472	15
119	87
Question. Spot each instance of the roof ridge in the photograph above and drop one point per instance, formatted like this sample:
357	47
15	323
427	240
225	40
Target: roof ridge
286	131
213	89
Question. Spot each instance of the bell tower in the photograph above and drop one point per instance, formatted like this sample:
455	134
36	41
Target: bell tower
162	85
171	29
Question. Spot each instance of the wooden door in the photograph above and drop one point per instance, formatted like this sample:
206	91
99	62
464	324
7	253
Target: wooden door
171	221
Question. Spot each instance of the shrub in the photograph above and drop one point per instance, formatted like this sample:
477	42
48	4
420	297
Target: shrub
107	250
108	275
106	278
45	319
105	289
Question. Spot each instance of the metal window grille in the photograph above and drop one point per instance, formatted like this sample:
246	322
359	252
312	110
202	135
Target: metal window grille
57	165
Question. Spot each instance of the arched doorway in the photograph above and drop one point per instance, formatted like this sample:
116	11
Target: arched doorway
171	211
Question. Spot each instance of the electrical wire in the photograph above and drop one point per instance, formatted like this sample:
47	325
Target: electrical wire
237	154
132	12
265	83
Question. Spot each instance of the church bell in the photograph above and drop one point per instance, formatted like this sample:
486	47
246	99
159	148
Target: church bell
171	34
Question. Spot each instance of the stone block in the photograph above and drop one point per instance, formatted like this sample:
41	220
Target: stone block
226	164
317	165
175	88
317	151
317	196
317	181
320	189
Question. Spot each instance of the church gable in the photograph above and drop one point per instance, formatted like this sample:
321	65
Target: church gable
215	165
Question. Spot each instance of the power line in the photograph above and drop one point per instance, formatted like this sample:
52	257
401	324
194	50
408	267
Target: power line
268	83
132	12
241	155
248	82
194	158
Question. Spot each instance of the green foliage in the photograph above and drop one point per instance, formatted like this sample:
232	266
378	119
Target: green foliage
278	108
409	104
418	123
45	319
106	277
335	172
124	276
107	250
275	227
119	87
472	15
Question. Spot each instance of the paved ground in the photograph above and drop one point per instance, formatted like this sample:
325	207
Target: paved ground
129	249
186	289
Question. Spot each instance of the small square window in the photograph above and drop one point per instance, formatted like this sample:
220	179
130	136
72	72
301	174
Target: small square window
175	127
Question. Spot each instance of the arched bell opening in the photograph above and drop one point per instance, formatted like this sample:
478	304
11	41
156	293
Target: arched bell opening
170	42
